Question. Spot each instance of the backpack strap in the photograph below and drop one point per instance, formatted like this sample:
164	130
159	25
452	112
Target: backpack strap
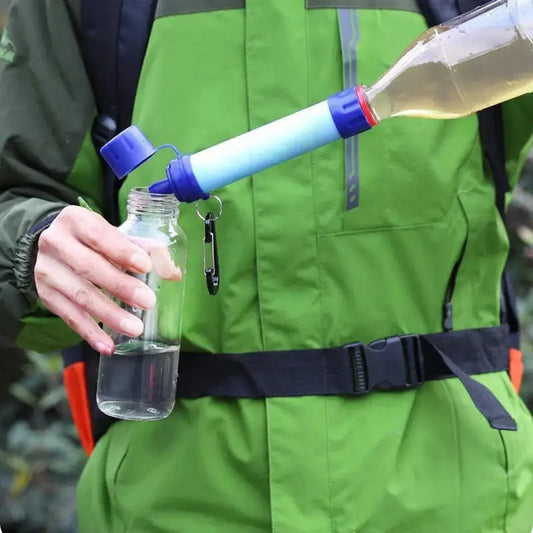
491	135
114	36
113	39
492	139
437	11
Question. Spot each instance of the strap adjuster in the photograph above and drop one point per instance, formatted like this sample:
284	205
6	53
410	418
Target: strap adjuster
387	364
103	130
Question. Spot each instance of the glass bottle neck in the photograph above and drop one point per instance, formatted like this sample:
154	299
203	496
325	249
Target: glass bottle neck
142	203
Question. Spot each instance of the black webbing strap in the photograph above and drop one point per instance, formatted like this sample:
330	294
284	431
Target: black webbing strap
509	311
491	133
114	36
396	363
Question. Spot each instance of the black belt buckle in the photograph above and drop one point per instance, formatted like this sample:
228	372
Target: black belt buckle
387	364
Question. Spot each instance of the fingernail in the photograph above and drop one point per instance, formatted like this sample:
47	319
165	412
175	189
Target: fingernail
144	298
132	326
141	263
103	348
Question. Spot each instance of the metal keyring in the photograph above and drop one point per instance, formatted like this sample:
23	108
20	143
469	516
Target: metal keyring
213	218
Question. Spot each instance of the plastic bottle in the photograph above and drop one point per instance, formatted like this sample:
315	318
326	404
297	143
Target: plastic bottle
467	64
457	68
138	381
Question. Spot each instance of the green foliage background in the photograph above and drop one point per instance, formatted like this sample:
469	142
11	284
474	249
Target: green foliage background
520	225
40	458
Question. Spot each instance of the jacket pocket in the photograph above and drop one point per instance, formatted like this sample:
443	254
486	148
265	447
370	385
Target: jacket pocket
388	281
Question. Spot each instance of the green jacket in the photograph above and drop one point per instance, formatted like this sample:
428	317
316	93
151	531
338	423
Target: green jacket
299	271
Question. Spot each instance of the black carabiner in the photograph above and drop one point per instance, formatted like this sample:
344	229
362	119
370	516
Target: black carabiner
211	271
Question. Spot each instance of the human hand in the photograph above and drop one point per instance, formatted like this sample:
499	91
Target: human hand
80	254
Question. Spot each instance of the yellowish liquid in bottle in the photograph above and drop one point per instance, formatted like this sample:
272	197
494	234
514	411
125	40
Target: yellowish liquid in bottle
457	69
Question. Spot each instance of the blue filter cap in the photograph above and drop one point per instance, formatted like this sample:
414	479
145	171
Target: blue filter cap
180	181
127	150
348	113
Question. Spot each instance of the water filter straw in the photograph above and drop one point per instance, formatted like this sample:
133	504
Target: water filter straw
192	177
464	65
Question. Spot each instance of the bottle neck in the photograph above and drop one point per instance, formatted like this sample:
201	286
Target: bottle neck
143	203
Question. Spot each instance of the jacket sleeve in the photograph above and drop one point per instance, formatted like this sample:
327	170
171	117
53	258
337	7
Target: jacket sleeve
46	157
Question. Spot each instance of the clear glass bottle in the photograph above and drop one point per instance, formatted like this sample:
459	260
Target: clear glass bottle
138	381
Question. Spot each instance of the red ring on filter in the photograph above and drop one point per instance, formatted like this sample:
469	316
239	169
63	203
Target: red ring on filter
363	102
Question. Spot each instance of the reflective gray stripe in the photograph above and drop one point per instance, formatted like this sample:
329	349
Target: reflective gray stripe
166	8
404	5
349	33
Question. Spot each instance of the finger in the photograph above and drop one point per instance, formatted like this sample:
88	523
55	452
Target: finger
161	258
163	264
91	266
96	233
78	320
89	298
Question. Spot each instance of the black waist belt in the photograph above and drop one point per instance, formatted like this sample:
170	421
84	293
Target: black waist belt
395	363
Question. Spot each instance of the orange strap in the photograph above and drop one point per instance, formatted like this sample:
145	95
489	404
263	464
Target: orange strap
516	368
76	387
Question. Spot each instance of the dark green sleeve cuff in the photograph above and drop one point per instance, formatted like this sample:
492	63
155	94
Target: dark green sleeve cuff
26	254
